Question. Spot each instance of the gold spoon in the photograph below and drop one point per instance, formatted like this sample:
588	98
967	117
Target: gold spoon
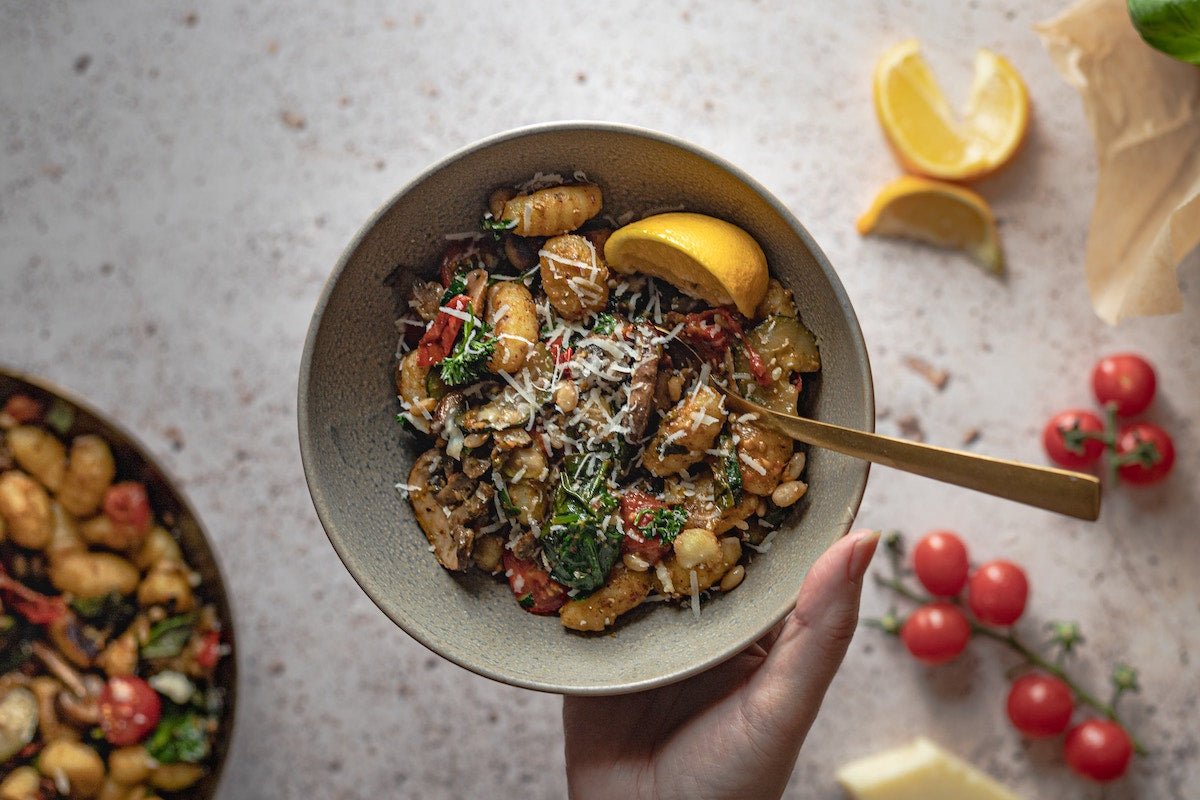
1075	494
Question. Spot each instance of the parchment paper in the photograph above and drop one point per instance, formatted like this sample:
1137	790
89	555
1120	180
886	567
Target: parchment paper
1144	111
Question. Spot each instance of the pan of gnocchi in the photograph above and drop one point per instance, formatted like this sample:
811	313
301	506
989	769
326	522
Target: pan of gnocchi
117	677
511	451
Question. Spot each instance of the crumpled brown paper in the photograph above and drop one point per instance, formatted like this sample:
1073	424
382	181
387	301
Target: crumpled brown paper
1144	111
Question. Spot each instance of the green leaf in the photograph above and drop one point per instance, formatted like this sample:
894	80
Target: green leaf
468	359
169	636
583	542
662	524
606	323
181	735
727	474
1169	26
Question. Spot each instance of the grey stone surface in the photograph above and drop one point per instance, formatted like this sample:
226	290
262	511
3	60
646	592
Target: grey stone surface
176	182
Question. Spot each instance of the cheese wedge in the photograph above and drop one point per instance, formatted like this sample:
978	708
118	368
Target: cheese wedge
919	770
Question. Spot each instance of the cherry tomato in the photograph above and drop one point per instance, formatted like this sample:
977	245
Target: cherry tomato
23	408
535	590
126	503
1126	380
129	710
936	632
1099	749
1145	453
1040	705
997	591
1070	439
940	561
208	650
635	510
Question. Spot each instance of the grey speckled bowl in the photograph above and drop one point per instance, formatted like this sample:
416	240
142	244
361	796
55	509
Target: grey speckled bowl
354	452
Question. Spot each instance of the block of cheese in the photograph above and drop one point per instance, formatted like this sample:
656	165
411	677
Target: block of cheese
920	770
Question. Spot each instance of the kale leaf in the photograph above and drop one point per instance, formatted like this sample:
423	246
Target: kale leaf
583	541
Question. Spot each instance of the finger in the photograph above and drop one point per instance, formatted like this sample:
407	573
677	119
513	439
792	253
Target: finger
813	640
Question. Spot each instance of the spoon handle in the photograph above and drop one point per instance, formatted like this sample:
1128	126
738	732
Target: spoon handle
1072	493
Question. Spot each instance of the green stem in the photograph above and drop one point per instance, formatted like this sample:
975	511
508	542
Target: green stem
1013	643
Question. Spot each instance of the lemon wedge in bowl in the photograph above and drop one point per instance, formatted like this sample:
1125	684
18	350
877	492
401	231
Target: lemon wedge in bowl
927	136
938	213
702	256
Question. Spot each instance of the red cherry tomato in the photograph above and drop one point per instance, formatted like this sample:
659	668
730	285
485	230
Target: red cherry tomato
535	590
636	508
1145	453
936	633
126	503
1070	439
1099	749
940	561
1126	380
129	710
208	651
23	408
997	591
1040	705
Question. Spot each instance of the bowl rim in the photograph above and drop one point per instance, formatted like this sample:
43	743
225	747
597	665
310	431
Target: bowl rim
124	438
307	451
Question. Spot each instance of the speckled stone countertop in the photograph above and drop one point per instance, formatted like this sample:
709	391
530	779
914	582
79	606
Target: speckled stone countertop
177	181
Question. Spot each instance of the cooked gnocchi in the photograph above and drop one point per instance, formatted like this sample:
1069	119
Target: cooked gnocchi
108	648
564	449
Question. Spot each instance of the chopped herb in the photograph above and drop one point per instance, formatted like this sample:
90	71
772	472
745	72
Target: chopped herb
405	422
727	474
583	542
606	324
458	285
661	524
60	417
468	359
169	636
496	227
180	736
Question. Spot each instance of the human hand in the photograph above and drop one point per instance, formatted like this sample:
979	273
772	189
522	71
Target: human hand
734	731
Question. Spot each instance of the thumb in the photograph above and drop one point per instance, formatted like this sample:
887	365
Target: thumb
814	639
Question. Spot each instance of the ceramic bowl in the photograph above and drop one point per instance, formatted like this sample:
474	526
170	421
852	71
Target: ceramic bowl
354	452
134	462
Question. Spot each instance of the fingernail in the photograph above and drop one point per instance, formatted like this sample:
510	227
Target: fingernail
860	559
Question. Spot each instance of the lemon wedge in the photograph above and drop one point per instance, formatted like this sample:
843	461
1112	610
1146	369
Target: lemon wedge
938	213
702	256
927	137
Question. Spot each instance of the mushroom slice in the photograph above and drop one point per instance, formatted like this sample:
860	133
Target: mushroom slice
450	546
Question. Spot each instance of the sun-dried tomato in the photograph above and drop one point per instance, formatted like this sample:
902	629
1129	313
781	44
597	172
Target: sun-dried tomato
439	337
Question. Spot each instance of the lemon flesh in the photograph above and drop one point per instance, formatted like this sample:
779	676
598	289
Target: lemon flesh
702	256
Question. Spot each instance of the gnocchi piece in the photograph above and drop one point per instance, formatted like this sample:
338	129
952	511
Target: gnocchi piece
23	783
40	453
26	509
168	583
64	536
624	591
102	531
412	388
175	777
672	579
698	498
93	574
574	276
78	765
513	316
159	545
551	211
90	471
688	430
778	301
763	454
130	765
